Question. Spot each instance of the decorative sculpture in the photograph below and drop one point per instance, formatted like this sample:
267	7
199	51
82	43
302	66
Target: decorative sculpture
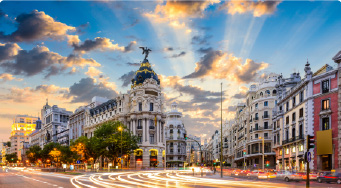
145	50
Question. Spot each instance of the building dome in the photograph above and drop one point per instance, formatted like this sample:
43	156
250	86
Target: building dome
143	73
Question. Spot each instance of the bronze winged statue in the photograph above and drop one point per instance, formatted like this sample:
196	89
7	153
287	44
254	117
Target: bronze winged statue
145	50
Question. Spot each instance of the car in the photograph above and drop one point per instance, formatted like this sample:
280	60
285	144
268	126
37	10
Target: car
257	174
329	177
289	176
236	172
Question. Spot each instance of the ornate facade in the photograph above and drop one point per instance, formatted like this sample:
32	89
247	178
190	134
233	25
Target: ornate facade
175	141
141	110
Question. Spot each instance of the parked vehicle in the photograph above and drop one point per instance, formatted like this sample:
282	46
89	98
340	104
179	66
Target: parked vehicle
329	177
289	176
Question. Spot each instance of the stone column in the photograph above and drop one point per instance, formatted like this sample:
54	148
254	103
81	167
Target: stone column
148	124
134	126
159	158
146	157
157	133
144	134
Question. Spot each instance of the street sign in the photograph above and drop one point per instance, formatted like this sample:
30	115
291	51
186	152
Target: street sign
78	162
309	156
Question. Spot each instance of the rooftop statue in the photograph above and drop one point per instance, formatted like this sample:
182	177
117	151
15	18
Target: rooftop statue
145	50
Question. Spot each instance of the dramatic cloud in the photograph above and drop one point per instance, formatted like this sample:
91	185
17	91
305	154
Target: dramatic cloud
232	108
205	50
183	9
86	88
8	51
50	89
93	72
178	55
126	78
201	100
37	26
175	13
220	65
257	8
168	49
201	40
41	60
102	44
8	77
134	64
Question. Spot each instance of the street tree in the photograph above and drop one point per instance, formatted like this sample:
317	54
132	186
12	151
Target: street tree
34	153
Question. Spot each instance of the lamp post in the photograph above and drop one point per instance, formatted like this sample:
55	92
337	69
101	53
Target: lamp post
262	151
221	131
121	129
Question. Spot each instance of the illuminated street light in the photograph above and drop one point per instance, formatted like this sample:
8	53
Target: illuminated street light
121	129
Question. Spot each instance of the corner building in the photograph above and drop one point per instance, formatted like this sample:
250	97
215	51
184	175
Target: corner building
141	110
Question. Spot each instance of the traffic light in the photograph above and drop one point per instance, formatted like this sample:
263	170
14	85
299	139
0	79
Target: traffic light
244	152
267	163
310	142
185	136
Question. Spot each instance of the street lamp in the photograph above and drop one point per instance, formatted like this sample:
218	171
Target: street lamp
262	151
121	129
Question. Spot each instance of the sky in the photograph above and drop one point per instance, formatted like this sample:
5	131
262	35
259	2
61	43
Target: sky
70	51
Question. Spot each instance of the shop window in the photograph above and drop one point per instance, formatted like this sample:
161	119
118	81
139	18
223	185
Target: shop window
287	151
300	148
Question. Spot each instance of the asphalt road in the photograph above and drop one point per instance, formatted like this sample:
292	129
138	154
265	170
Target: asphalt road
169	179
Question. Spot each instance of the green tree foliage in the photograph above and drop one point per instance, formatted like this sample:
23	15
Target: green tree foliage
113	139
106	142
34	153
11	158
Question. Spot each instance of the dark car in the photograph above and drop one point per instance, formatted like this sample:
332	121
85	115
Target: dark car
329	177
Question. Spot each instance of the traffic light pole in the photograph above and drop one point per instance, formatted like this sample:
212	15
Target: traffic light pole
310	143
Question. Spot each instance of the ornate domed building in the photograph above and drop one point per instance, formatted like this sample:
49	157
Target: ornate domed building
144	72
141	110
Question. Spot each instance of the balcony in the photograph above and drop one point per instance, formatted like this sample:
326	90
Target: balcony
256	118
152	127
139	127
266	116
250	120
241	128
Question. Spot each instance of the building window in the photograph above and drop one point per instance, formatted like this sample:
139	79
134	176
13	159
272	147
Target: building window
151	107
139	138
287	151
140	106
325	123
293	101
301	112
287	106
266	125
256	105
287	120
325	86
266	135
266	115
151	138
300	148
293	117
266	103
325	104
294	149
280	152
301	96
139	124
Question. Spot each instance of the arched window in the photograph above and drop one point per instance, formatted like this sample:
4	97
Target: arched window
261	94
274	92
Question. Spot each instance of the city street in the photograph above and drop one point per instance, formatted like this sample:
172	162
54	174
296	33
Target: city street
30	178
